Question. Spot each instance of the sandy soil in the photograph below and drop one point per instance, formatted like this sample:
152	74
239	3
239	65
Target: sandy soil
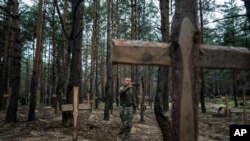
92	127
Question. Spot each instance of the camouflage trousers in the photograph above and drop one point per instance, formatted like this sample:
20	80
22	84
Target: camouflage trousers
126	116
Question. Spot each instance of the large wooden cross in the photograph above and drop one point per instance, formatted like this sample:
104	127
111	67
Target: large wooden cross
153	53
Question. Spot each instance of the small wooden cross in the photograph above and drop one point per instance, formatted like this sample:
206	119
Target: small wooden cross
185	103
75	107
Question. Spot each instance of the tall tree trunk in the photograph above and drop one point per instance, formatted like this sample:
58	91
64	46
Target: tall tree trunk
62	68
134	69
142	100
54	50
164	6
234	74
162	120
97	18
94	51
36	64
27	82
103	79
202	92
162	79
108	88
4	81
117	35
184	55
15	65
75	78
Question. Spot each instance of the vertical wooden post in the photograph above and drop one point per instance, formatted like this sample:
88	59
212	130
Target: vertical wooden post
226	103
88	97
75	112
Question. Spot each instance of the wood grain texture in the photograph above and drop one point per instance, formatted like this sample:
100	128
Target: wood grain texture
187	117
69	107
75	112
152	53
140	52
224	57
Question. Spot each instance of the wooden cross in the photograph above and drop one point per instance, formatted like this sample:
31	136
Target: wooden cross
152	53
185	103
75	107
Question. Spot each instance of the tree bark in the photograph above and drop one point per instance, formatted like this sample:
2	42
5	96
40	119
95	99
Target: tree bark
36	64
234	74
134	69
97	44
164	6
184	56
15	65
75	77
108	88
4	81
162	120
202	92
61	67
142	120
161	106
54	51
94	53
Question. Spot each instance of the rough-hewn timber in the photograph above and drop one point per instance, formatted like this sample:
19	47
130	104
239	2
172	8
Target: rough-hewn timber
152	53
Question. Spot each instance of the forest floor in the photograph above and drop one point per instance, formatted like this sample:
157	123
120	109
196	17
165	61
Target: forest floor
92	127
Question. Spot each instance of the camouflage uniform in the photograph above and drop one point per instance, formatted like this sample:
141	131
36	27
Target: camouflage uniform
126	115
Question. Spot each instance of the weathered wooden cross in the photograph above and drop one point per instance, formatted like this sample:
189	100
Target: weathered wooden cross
75	107
185	103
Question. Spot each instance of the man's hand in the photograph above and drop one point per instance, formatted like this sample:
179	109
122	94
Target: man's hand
130	85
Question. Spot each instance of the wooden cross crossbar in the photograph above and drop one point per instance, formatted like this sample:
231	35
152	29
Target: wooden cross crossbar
82	106
75	107
185	58
153	53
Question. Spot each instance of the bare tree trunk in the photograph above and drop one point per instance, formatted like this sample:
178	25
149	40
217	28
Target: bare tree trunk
15	65
161	106
134	69
94	53
234	74
184	55
4	81
27	82
162	120
108	88
62	68
97	18
103	66
75	78
37	63
54	51
202	92
142	100
116	20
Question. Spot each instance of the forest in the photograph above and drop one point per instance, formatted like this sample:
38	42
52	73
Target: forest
63	62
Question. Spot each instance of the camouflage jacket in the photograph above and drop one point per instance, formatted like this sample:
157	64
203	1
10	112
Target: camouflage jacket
126	96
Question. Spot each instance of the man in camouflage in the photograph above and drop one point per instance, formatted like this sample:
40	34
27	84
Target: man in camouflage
126	115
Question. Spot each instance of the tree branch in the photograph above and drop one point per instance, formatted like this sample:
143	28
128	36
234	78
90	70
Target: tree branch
61	20
230	17
74	17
